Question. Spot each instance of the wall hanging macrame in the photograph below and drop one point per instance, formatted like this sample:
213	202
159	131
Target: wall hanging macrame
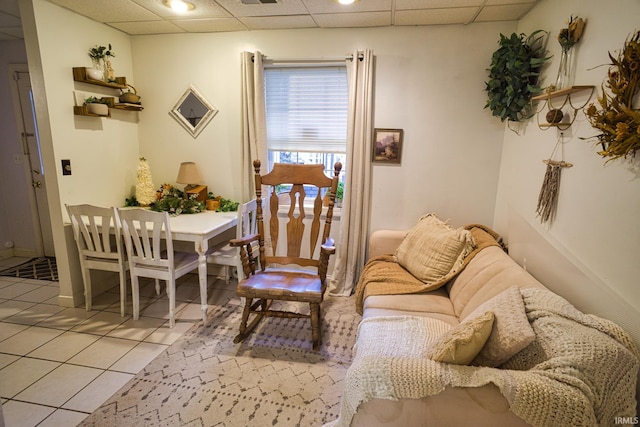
548	197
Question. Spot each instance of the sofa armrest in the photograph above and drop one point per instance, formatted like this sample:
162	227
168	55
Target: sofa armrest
385	241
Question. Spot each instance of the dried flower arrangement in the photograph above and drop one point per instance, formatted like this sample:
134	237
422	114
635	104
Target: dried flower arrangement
617	120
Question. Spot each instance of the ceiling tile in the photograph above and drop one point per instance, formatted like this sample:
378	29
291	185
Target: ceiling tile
108	11
146	27
460	15
203	9
502	13
436	4
152	17
505	2
353	20
282	8
330	6
210	25
279	22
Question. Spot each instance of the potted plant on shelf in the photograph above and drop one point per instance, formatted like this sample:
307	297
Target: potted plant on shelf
102	70
97	106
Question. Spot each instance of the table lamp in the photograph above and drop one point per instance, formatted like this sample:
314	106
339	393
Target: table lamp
189	174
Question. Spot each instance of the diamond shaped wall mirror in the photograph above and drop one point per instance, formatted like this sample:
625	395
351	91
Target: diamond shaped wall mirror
193	111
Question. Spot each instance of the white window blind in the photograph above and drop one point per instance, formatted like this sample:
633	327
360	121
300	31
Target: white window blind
306	109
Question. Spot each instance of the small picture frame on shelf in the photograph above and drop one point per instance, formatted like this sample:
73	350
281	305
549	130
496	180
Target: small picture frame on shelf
387	146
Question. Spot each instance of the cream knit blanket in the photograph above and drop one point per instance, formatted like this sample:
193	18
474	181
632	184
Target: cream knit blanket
580	371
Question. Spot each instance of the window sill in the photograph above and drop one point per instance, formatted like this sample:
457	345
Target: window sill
283	211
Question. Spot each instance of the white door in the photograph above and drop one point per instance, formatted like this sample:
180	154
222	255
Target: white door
34	165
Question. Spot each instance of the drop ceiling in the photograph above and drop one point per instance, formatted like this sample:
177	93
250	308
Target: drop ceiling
137	17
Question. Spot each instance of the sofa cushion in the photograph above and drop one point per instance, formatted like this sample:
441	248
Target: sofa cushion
432	249
490	272
461	344
511	331
435	304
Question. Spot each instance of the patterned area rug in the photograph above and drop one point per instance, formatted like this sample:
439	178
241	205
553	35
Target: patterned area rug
273	378
43	268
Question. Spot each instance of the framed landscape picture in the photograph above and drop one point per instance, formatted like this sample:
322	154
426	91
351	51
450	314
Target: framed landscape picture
387	146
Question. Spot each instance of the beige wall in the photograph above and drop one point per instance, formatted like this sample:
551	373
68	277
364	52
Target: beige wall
428	82
598	217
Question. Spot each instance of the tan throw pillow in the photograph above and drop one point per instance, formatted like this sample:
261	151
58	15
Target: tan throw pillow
462	343
511	329
432	249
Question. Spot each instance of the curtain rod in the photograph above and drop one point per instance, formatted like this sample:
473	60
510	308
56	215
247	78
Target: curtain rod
309	60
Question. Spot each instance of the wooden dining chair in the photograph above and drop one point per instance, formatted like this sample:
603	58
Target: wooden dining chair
295	270
148	239
228	256
97	234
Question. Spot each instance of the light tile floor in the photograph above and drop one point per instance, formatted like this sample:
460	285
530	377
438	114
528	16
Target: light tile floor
57	364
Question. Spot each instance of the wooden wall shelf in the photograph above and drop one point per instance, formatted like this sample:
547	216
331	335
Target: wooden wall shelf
80	75
562	92
565	96
82	110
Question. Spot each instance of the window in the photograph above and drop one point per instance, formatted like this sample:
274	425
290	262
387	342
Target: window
306	109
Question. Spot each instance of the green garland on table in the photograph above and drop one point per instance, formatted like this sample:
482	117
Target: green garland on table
172	200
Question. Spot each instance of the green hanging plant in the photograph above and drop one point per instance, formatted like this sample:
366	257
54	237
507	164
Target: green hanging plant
513	76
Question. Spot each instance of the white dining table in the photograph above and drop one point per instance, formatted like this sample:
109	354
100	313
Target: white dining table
199	228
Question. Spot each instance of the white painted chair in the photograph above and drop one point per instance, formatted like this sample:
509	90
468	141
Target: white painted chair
98	248
147	236
228	256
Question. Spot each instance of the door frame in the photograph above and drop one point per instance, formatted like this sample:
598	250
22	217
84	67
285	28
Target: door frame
36	221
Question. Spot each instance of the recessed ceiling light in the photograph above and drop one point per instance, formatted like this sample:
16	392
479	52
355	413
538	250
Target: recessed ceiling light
345	1
179	6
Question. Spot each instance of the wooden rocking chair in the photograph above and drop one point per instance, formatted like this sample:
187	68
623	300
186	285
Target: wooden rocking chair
299	274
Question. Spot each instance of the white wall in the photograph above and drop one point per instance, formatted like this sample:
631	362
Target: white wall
598	217
429	82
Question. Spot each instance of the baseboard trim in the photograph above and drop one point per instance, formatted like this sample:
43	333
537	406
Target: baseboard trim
6	253
65	301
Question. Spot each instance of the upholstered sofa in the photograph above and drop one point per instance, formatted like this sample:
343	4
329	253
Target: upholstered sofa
481	343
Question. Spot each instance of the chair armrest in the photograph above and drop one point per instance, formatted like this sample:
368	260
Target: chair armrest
246	253
326	250
244	240
329	247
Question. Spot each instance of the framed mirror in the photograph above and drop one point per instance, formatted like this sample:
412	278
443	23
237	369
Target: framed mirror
193	111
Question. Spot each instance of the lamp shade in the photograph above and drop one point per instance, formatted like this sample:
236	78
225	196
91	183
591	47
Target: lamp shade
189	173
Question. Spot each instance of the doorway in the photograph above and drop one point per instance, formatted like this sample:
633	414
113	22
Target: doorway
32	159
